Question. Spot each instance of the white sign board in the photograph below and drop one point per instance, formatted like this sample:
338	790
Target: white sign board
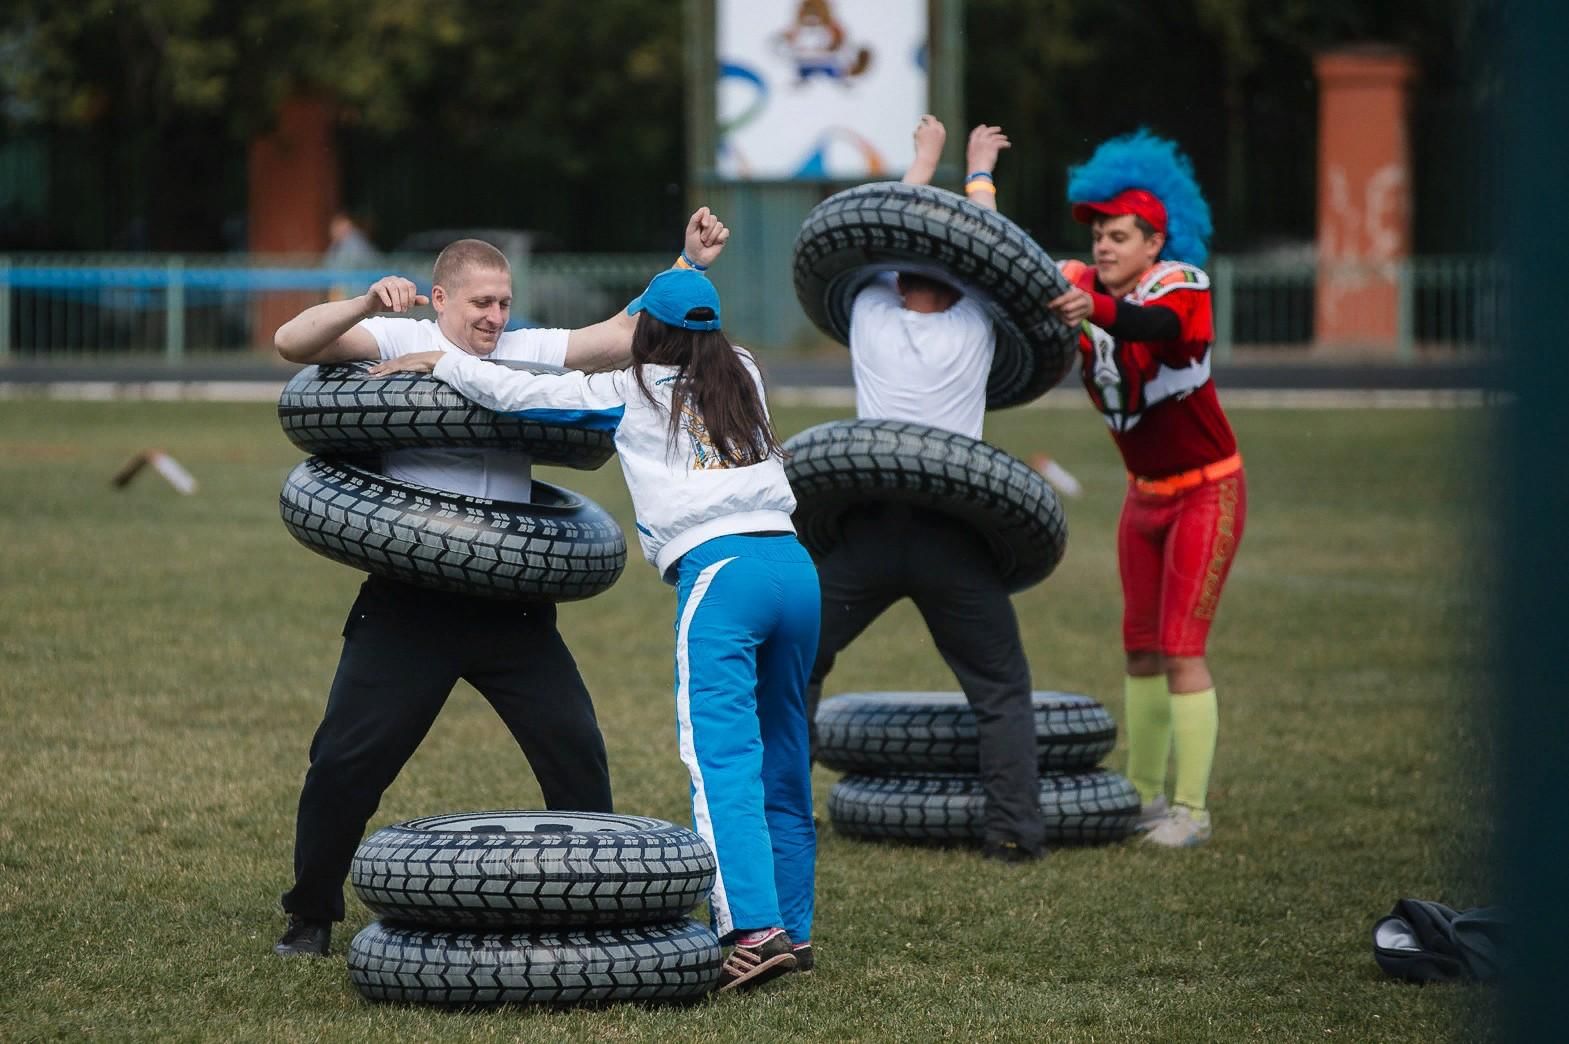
819	89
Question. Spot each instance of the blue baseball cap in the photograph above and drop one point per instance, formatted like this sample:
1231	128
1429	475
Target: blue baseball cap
681	297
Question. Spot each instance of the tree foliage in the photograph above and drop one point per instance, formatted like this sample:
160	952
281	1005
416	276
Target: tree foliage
1232	80
454	111
165	60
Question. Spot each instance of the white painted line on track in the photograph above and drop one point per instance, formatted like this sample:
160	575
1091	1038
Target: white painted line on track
1236	398
791	396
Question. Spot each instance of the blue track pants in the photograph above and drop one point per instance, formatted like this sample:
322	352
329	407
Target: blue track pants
747	616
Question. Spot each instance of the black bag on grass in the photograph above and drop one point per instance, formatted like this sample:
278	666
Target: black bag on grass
1428	942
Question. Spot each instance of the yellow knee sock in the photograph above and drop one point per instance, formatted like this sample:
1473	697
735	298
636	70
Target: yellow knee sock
1195	724
1147	710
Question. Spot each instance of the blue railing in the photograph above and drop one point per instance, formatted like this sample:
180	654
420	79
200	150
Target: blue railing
57	306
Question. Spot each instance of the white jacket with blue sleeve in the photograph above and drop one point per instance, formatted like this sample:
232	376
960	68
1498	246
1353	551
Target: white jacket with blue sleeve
682	491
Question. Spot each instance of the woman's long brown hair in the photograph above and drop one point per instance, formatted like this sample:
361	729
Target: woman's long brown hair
712	382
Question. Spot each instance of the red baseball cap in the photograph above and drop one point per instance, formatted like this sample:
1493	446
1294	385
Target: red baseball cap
1134	201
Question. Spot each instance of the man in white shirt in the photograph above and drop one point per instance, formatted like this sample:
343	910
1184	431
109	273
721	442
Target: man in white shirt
405	647
921	351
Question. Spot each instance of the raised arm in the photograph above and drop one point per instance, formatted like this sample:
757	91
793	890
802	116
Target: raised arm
608	345
929	137
980	159
329	332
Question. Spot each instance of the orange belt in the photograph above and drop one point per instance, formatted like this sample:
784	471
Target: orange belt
1188	479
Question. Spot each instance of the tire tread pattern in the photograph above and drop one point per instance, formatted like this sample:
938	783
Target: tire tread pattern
890	732
337	410
835	466
852	235
1093	807
646	871
666	962
560	547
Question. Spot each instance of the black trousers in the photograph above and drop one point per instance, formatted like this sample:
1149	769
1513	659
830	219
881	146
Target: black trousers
893	552
404	649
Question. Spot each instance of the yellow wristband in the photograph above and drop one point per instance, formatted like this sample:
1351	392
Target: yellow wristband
980	186
681	262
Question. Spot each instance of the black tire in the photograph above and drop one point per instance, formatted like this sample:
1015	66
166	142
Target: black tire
1080	808
521	869
559	547
664	962
835	466
337	410
853	235
891	732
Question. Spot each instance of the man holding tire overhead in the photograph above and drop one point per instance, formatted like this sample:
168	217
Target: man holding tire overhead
405	647
1145	360
921	350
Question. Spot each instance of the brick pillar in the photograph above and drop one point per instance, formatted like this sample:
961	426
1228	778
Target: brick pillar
1364	194
292	174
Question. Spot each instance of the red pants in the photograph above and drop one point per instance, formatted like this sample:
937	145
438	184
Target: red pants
1174	551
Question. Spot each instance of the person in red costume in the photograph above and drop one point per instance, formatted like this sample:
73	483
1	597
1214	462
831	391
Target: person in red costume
1146	331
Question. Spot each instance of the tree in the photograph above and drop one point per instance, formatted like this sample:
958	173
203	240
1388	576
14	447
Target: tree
1232	80
570	121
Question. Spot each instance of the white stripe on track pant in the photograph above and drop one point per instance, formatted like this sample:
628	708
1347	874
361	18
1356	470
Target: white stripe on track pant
747	617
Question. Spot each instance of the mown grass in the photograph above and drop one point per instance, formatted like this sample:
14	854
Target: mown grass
163	661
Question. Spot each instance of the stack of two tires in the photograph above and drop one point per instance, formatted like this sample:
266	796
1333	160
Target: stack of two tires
912	760
558	547
544	908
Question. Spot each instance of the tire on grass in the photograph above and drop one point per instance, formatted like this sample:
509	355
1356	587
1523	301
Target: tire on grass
559	547
843	464
851	236
892	732
338	410
665	962
1091	807
525	869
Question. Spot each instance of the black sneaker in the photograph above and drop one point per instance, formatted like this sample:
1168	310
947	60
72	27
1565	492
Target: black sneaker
303	938
803	957
749	966
1011	852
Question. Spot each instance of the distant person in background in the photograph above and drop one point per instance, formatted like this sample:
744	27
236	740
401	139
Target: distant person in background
405	647
1145	360
921	351
347	243
348	248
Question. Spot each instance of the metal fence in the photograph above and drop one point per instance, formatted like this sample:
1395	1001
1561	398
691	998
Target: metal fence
53	307
57	306
1431	305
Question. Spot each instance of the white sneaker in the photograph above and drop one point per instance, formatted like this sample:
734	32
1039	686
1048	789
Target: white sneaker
1183	827
1151	814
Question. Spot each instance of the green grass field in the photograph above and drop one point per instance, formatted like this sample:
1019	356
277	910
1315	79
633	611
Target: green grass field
164	659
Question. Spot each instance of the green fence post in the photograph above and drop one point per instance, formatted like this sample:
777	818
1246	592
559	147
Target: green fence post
1405	310
1225	304
174	307
5	309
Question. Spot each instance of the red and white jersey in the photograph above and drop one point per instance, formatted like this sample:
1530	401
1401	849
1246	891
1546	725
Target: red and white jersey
1157	396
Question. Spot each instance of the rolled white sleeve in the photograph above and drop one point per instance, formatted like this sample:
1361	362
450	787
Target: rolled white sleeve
537	345
395	336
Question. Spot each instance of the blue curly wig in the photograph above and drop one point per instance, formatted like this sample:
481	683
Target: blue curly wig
1142	160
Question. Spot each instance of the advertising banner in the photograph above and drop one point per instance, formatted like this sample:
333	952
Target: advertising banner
819	89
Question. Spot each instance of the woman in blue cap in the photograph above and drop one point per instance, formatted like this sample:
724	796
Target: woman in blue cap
713	516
